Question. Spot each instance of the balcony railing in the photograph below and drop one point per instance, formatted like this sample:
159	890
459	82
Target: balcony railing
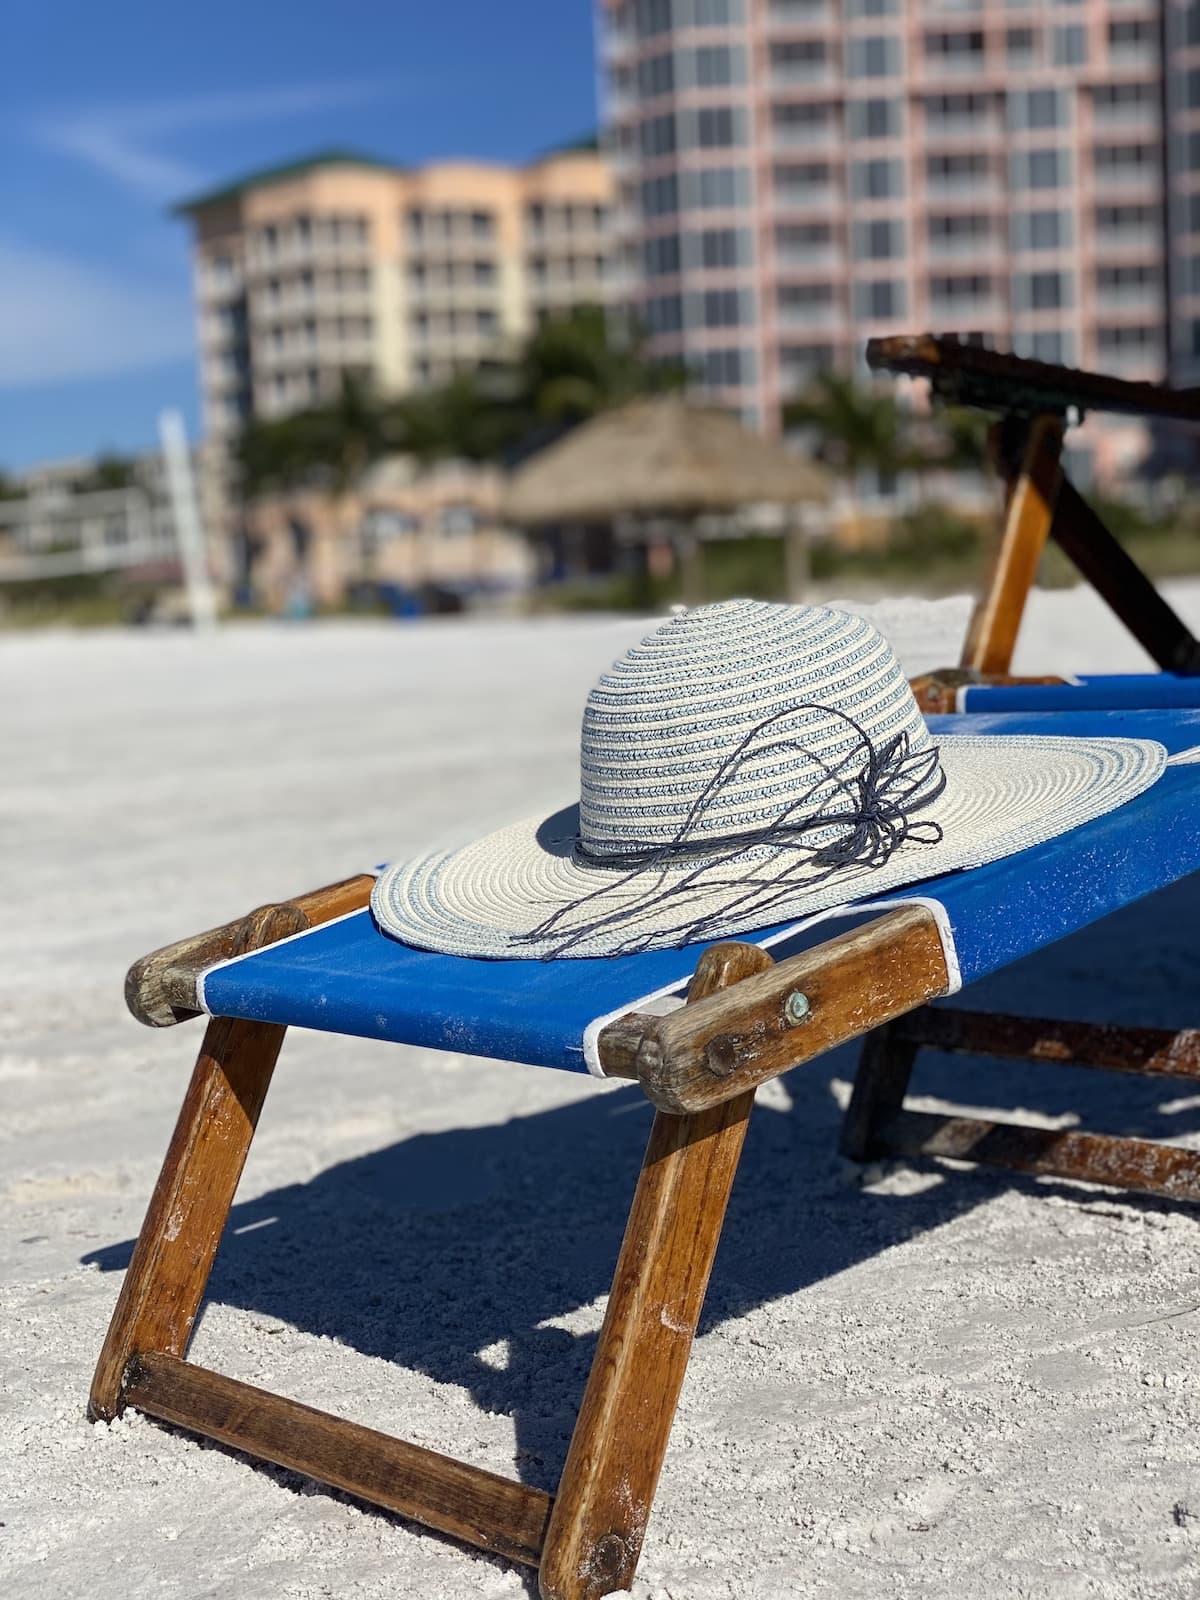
800	258
954	247
805	196
964	311
804	135
1129	296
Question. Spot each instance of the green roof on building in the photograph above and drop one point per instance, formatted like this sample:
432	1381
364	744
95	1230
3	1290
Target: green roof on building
333	157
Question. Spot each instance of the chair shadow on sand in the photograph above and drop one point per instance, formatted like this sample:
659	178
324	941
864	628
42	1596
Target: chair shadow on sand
431	1250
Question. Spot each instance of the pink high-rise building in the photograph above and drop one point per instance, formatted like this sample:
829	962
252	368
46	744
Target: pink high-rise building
797	175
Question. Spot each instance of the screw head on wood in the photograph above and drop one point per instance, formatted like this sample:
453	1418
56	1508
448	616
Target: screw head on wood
796	1008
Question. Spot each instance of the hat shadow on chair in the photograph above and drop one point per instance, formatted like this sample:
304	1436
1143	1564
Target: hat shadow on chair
431	1250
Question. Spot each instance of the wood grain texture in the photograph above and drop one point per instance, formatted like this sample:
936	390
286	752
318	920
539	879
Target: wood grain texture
738	1038
1121	1163
160	989
1113	1047
1033	494
612	1469
186	1217
479	1507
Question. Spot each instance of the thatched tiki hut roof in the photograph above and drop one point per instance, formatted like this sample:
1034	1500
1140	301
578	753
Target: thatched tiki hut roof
664	456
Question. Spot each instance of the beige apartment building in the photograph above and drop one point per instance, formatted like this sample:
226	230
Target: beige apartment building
341	263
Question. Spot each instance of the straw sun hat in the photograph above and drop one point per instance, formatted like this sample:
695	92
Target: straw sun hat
745	765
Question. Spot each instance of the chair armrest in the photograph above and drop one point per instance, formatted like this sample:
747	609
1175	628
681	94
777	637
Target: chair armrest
712	1049
160	989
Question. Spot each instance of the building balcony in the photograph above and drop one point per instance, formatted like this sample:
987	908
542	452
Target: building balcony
961	130
962	186
1126	180
1142	119
820	314
800	14
968	246
1143	242
796	259
966	312
1141	297
1141	57
787	136
802	74
807	197
936	69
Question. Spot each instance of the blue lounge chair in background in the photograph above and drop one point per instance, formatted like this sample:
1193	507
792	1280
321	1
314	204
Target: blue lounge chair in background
1034	402
698	1029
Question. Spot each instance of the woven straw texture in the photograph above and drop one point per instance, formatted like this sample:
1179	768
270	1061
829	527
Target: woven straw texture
791	686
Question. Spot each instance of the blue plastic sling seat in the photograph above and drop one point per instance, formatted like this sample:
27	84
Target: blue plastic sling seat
698	1029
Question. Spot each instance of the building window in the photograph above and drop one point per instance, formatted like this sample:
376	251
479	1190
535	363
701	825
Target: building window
1068	45
661	256
966	228
656	75
717	128
970	170
1040	169
967	286
1125	160
1041	230
1126	338
664	314
1037	108
1041	291
875	119
955	49
657	136
483	272
876	180
660	196
722	308
727	368
879	240
873	57
717	66
879	299
717	188
714	248
1138	219
1020	46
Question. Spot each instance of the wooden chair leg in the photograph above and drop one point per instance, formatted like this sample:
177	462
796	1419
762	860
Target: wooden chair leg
885	1065
992	635
178	1242
603	1502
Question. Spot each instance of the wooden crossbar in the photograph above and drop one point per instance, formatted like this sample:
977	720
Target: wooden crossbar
878	1123
1115	1048
1139	1165
482	1508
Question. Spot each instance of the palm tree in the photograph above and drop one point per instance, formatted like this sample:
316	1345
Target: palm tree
858	428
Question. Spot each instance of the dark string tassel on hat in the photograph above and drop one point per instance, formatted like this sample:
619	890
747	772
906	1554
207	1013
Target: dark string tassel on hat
877	793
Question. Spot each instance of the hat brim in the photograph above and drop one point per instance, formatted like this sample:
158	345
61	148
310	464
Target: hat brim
1003	794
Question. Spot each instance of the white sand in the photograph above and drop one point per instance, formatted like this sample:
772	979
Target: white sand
944	1384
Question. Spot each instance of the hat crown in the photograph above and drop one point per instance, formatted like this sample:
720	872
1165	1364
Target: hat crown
726	715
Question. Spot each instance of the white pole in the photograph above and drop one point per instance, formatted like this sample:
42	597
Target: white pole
185	514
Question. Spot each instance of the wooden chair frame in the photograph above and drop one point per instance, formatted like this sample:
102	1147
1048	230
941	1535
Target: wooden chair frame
1025	444
747	1019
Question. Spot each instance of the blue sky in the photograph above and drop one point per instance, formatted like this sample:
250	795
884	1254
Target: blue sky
110	112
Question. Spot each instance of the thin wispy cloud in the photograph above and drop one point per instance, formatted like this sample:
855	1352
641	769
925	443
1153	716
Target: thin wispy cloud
127	144
61	319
